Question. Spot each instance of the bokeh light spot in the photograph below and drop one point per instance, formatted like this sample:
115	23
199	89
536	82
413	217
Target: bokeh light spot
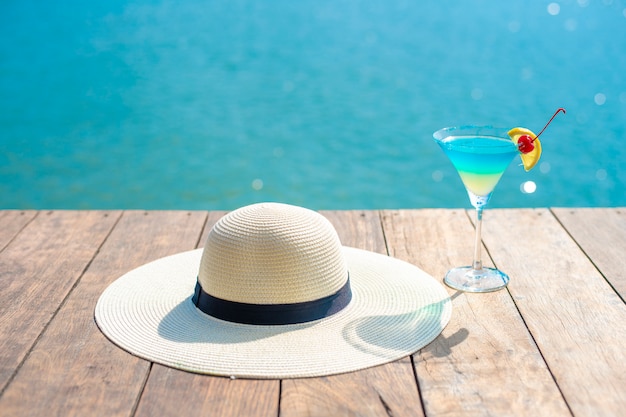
600	99
527	73
514	26
571	25
257	184
554	9
528	187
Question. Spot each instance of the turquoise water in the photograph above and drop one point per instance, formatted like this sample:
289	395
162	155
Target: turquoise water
327	104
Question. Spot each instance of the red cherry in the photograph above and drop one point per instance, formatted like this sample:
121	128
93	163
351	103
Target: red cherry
525	144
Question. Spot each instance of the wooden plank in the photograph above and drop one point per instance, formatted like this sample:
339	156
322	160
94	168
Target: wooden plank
37	271
358	229
575	317
170	392
388	389
485	361
73	370
12	222
601	233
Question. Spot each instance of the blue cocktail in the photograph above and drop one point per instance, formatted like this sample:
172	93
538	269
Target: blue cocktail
480	156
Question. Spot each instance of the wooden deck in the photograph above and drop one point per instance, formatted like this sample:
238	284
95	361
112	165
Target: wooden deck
552	344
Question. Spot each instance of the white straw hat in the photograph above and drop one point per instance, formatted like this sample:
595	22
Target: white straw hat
273	294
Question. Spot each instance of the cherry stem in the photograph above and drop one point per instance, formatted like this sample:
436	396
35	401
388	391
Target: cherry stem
561	109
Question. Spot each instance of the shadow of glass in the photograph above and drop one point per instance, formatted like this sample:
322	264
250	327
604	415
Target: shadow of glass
442	346
385	335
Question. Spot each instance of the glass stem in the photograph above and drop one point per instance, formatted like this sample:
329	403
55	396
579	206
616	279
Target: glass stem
478	264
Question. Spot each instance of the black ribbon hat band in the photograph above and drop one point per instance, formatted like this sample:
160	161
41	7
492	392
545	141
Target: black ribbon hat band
272	314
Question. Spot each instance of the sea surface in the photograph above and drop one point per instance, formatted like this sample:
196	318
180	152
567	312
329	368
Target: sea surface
328	104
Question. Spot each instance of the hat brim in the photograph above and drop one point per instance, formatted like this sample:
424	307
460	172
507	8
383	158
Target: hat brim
396	309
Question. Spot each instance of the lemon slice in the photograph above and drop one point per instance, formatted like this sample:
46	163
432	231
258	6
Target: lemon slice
530	159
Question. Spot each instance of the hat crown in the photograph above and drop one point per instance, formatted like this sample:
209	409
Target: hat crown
272	253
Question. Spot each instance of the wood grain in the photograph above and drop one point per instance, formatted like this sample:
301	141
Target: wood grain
601	233
12	222
386	390
359	229
170	392
38	269
73	370
484	362
574	315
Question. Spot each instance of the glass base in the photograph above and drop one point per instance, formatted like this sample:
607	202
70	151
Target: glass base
466	278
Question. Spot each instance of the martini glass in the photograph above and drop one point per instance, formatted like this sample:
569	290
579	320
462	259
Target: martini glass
480	155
